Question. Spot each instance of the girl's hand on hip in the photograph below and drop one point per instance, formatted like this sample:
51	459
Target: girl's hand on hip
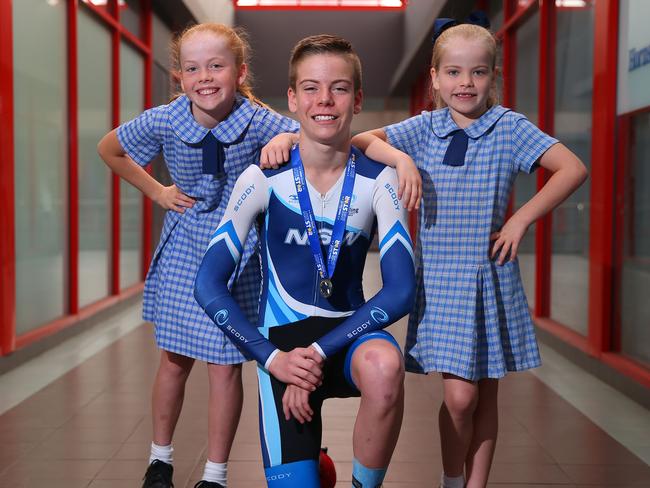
506	241
171	198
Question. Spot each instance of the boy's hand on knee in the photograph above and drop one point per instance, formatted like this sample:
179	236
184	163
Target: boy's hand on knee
295	402
300	367
278	150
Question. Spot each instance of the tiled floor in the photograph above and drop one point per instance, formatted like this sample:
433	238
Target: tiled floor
91	428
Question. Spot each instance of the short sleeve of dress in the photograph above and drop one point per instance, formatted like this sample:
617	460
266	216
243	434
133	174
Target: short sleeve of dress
269	124
140	137
407	135
529	144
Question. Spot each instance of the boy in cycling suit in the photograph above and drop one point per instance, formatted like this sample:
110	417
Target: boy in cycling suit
317	337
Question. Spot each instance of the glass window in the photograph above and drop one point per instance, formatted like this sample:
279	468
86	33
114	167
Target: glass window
94	82
160	37
526	94
161	95
573	99
131	16
131	105
41	161
635	282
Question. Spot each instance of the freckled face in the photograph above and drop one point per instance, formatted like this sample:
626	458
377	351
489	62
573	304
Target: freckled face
209	76
464	78
324	99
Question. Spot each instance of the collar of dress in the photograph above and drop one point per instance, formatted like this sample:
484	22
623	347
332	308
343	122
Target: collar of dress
443	124
227	131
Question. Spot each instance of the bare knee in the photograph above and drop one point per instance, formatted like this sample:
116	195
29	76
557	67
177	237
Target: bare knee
225	374
379	374
174	366
461	402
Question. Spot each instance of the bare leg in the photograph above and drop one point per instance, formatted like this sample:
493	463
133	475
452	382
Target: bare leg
378	372
456	422
224	409
486	426
168	394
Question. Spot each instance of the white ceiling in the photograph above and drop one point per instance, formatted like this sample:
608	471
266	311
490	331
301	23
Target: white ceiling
212	10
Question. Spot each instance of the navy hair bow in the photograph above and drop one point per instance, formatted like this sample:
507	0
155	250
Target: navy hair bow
477	17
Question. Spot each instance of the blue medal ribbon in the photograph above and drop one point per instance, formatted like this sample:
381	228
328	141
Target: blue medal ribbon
325	270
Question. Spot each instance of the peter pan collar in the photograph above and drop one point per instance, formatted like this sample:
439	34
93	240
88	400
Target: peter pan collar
226	131
443	124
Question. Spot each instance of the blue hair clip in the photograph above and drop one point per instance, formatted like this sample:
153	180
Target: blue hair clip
441	25
478	17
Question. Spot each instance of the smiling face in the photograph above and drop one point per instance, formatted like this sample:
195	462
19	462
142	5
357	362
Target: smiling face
464	78
209	76
324	98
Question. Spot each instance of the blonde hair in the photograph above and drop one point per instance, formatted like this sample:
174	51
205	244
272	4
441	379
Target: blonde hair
237	42
324	44
471	32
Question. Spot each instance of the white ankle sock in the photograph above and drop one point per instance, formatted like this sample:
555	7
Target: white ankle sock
163	453
216	472
448	482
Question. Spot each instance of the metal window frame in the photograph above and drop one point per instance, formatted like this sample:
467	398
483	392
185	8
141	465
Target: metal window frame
609	144
7	195
603	337
9	340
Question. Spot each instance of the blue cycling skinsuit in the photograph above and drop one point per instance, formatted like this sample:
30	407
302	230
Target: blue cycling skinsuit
293	311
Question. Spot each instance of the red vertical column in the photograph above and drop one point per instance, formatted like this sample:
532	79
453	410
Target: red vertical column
509	51
546	108
508	70
7	202
622	199
147	210
601	216
115	203
73	163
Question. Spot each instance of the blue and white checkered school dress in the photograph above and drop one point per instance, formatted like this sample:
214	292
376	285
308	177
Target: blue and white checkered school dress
181	325
471	316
